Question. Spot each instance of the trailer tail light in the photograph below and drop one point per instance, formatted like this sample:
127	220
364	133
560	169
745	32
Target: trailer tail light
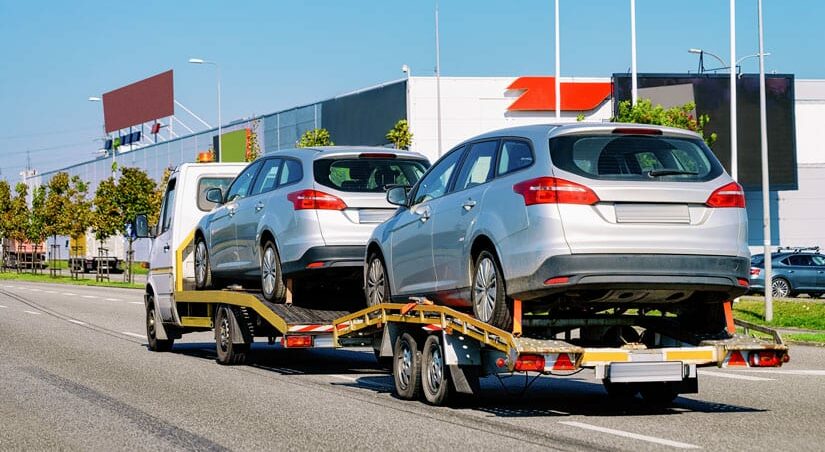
755	271
766	359
743	282
297	341
730	195
563	362
530	363
314	199
552	190
737	360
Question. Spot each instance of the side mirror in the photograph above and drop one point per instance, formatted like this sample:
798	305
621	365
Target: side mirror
142	226
214	195
397	196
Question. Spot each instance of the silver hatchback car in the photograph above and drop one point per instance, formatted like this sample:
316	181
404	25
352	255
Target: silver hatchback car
574	218
299	213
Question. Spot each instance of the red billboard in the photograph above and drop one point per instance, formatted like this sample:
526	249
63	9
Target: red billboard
140	102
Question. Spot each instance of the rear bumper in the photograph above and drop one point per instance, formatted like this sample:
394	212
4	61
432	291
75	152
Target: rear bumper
634	272
326	258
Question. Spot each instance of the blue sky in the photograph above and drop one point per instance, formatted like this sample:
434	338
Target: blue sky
277	54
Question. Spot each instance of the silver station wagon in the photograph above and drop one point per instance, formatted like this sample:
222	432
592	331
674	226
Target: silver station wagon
570	219
299	214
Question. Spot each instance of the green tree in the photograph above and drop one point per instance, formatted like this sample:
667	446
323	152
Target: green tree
133	193
5	213
18	218
400	135
644	112
57	206
315	137
79	215
253	147
36	232
105	218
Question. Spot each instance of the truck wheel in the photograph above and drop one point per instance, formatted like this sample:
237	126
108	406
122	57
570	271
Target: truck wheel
228	351
406	369
490	304
203	271
435	374
658	394
377	286
155	344
272	280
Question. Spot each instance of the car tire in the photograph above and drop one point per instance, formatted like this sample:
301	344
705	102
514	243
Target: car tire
435	374
376	284
273	288
155	344
228	351
781	288
488	293
406	367
203	269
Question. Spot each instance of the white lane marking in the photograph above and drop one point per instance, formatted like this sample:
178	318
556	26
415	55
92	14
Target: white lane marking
8	286
135	302
88	296
68	294
733	376
1	306
34	289
50	291
807	373
77	321
650	439
113	299
32	312
139	336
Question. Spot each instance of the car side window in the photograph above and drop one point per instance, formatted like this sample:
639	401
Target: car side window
818	260
291	172
435	183
514	155
243	183
479	165
801	260
268	178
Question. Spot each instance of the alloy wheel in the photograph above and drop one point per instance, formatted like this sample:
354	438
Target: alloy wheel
201	261
269	271
484	289
376	283
780	288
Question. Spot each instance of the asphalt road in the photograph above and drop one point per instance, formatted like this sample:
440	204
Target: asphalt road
75	374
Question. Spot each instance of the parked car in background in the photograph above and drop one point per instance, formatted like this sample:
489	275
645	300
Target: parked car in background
299	214
571	219
794	271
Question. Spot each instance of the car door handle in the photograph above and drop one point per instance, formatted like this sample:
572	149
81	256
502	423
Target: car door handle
469	204
423	213
166	248
790	271
230	211
259	206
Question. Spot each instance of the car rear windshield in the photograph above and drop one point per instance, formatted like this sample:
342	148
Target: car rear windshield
635	157
367	175
757	259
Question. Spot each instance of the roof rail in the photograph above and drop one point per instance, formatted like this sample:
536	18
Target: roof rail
798	249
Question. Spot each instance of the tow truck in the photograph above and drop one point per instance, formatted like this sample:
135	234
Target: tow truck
435	352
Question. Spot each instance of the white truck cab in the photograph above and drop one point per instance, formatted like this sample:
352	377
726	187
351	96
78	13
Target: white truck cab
184	204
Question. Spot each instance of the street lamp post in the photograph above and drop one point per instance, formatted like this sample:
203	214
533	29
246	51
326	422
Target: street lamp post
406	70
218	73
766	201
98	99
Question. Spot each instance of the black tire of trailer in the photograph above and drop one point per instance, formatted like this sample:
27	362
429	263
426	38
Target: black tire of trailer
229	352
659	393
406	367
155	344
436	381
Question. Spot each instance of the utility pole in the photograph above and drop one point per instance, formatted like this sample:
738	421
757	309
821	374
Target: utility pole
438	79
766	194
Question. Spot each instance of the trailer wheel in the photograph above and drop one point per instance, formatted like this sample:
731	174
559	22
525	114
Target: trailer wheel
228	351
435	374
406	369
658	394
203	270
155	344
490	303
377	285
272	280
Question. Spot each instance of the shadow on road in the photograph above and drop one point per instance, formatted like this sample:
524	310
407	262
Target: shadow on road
505	397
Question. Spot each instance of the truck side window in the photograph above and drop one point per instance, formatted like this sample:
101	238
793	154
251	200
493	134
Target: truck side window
168	206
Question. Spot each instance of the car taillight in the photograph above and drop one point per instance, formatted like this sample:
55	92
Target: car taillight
314	199
552	190
730	195
755	271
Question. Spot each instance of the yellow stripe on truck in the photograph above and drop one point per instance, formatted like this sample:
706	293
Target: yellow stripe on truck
179	260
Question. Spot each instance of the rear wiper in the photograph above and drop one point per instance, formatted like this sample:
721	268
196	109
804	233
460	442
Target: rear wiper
670	172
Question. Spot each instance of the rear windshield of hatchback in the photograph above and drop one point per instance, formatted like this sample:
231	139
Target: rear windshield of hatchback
635	157
367	175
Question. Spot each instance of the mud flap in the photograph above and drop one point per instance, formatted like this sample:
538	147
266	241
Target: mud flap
465	379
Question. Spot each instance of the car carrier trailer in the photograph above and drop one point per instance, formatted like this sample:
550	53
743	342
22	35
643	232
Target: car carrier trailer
435	352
